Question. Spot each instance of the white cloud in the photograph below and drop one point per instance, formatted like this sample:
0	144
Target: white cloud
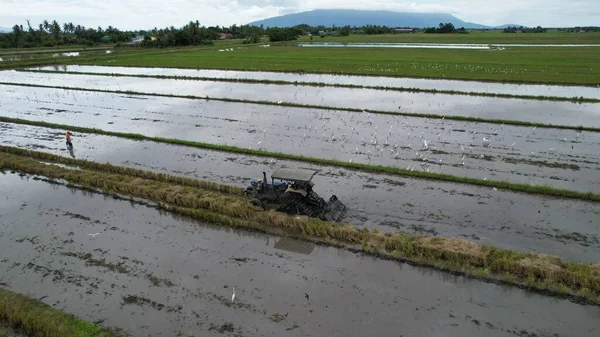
140	14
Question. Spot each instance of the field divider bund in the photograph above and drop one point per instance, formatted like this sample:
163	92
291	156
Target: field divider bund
320	107
506	185
579	282
94	62
322	84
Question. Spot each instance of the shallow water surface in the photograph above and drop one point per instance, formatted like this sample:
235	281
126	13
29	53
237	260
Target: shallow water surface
548	112
559	158
374	81
154	274
563	227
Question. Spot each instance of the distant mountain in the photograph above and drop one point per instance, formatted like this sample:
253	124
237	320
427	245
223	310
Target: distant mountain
352	17
508	25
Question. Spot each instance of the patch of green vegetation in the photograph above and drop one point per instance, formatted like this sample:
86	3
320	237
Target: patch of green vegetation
277	317
91	261
228	303
36	319
580	99
572	167
159	282
506	185
548	65
529	270
6	331
320	107
90	165
141	301
222	328
477	37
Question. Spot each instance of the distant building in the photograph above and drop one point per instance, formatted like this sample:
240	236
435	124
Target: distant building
402	30
225	36
137	39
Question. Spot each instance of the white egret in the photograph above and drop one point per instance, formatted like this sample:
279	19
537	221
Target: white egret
233	296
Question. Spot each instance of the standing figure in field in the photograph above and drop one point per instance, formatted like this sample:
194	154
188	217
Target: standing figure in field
69	144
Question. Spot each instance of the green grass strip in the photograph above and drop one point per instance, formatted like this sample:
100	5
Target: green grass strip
506	185
580	99
538	272
321	107
37	319
90	165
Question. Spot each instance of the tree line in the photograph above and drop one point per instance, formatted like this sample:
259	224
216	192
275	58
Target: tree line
446	28
49	34
52	34
515	29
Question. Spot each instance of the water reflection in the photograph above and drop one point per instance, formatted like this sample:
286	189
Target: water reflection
295	246
71	151
376	81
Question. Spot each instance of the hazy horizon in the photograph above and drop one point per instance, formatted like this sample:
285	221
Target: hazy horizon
137	14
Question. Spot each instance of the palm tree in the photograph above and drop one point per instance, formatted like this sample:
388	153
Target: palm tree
55	28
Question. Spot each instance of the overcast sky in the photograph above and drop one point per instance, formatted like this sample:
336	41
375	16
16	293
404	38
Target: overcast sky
142	14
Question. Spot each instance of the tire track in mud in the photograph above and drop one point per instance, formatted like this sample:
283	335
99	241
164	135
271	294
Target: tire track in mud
566	228
350	294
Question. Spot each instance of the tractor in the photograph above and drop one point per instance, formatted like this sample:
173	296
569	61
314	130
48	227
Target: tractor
290	190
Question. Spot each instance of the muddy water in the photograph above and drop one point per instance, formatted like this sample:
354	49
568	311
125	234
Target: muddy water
153	274
375	81
485	107
560	158
567	228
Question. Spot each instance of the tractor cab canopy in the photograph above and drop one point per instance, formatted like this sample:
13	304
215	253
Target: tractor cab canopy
300	179
294	174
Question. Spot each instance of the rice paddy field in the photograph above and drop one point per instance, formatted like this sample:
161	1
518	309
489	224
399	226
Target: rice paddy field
470	204
573	65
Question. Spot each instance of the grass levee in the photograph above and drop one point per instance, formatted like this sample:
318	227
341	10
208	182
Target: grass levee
534	271
506	185
474	36
36	319
579	99
548	65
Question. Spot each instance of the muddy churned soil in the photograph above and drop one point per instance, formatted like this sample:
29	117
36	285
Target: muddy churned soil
125	264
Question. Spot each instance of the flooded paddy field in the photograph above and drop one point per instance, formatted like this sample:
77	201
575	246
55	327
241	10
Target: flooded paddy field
373	81
564	113
543	156
50	54
154	274
563	227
